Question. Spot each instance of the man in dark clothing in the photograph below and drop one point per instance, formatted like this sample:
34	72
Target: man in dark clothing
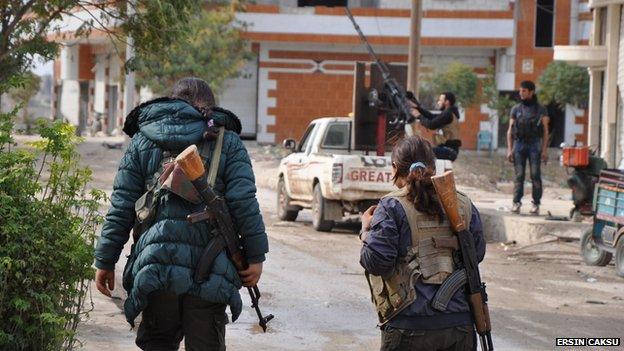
527	139
446	141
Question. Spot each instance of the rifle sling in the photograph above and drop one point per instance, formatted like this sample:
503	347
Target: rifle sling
214	156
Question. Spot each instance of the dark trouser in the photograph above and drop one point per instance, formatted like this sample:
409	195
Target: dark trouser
442	152
169	317
450	339
531	151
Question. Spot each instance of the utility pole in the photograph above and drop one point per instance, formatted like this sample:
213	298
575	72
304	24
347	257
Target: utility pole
414	57
414	47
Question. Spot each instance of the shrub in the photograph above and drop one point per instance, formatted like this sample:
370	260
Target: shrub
563	84
455	77
47	228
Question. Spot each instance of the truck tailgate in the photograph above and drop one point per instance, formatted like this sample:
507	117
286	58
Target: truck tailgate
367	173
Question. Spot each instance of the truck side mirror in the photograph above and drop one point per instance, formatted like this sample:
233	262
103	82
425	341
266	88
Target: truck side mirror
289	144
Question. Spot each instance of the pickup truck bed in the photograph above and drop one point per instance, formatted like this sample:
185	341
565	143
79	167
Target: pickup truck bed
324	174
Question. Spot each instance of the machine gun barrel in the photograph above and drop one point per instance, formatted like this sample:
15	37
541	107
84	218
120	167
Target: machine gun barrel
398	101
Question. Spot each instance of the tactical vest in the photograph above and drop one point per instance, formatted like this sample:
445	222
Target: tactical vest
528	123
449	132
392	294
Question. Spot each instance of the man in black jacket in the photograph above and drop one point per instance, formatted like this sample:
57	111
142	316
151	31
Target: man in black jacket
446	123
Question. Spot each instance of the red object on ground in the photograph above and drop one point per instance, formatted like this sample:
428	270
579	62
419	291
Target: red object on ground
576	156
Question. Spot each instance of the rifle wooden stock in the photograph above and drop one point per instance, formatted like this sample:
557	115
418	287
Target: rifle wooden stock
477	306
447	194
191	163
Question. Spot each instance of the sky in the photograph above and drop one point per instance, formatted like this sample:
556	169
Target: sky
43	68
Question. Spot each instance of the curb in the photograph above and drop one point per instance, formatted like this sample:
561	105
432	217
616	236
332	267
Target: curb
527	230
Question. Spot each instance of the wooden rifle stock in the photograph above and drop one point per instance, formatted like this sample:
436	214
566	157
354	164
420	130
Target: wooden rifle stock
447	194
479	312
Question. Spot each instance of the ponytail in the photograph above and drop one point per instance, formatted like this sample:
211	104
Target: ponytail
414	160
421	191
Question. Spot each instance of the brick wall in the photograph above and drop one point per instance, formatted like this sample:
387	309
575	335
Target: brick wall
525	38
582	120
86	62
301	97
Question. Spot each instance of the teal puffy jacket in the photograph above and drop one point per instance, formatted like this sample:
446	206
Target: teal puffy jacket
165	256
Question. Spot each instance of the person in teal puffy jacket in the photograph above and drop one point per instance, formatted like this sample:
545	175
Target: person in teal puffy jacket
159	273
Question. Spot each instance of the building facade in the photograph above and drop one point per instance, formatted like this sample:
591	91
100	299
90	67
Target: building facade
604	57
305	55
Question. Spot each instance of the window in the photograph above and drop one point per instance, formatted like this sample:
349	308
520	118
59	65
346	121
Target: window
544	23
303	144
330	3
337	136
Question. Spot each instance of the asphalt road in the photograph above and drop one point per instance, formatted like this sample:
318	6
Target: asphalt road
316	289
313	284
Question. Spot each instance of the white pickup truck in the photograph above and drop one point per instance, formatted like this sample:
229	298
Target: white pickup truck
324	173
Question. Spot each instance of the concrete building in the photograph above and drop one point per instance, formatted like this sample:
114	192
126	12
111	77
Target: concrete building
306	53
604	57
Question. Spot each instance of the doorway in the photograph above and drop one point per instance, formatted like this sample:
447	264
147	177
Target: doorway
557	125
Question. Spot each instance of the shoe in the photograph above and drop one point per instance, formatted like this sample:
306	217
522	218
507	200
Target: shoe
534	210
516	207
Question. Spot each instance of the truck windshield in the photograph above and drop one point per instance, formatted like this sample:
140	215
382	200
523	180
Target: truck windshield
336	136
303	144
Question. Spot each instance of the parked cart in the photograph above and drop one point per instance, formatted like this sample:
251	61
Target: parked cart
606	238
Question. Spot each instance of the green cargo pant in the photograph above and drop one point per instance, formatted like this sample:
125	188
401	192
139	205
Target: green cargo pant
168	318
450	339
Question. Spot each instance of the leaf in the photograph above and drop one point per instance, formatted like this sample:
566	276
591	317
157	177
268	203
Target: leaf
562	83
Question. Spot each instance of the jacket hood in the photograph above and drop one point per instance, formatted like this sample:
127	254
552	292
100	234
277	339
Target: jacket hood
174	124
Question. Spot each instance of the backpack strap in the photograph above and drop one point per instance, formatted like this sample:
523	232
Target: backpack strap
214	156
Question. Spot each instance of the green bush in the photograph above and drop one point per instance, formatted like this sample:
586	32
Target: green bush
455	77
47	228
499	103
563	84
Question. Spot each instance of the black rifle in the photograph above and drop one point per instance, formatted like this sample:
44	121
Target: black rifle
225	236
394	99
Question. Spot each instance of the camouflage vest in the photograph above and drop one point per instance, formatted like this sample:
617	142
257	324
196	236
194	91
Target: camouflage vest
423	260
449	132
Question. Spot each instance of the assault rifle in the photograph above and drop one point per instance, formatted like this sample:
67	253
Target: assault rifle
394	98
226	238
477	297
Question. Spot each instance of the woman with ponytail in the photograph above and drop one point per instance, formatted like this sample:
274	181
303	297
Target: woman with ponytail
405	265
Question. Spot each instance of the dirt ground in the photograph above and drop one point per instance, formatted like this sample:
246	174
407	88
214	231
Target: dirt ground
316	289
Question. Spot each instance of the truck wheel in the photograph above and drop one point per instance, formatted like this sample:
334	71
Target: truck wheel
592	254
318	211
284	209
619	257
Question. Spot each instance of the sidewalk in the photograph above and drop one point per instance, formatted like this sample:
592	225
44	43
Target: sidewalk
500	225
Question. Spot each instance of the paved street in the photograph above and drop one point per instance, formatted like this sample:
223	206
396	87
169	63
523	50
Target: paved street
315	287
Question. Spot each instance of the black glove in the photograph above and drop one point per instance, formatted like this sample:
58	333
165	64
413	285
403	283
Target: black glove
411	97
